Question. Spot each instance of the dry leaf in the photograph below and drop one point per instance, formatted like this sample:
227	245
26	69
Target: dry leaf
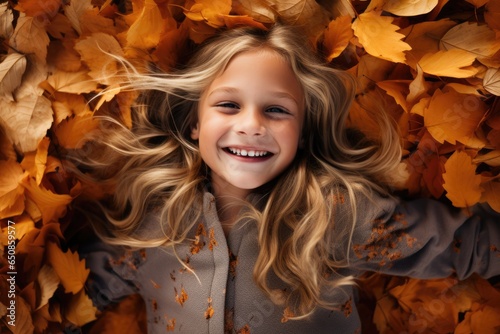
68	266
52	206
29	29
453	117
145	32
418	88
48	281
11	72
491	194
477	39
378	36
71	132
491	81
258	9
6	19
337	36
74	10
491	158
462	184
98	51
398	89
492	14
80	310
11	190
409	7
24	322
35	162
208	11
450	63
42	10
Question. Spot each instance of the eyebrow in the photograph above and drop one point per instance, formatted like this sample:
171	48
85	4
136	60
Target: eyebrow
277	94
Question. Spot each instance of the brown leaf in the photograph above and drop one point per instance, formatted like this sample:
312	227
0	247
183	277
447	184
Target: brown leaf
492	14
260	10
74	10
337	36
23	322
378	36
44	11
491	194
462	184
409	7
68	266
49	282
6	19
66	105
29	29
71	132
11	71
491	81
11	191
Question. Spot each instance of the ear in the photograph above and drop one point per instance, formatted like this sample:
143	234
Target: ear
195	132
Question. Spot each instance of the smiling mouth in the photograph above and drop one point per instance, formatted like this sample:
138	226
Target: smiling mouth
247	153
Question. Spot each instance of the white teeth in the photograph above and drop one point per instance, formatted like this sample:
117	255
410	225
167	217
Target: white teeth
245	153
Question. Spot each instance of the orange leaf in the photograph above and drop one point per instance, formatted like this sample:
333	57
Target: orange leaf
44	9
453	117
29	29
450	63
71	82
398	89
462	184
258	9
337	36
145	32
71	132
409	7
233	21
472	37
491	194
23	323
80	309
209	11
11	190
492	14
68	266
378	36
52	206
66	105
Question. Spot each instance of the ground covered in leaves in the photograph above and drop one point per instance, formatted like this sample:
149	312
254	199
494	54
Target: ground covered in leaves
432	64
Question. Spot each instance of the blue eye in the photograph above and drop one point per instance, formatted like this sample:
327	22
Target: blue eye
277	110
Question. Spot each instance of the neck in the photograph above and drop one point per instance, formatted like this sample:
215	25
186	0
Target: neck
229	202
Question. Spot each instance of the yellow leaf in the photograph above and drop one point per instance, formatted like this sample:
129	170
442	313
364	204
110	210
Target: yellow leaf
477	39
398	89
80	310
378	36
11	71
409	7
11	191
453	117
418	87
51	205
258	9
26	121
98	51
145	32
48	281
337	36
66	105
491	81
71	132
74	10
35	162
68	266
71	82
28	30
450	63
462	184
211	12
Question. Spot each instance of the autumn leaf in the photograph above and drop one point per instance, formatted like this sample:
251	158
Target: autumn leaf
398	89
66	105
68	266
71	132
260	10
477	39
11	190
492	14
74	10
409	7
24	322
452	63
35	162
337	36
51	205
80	310
70	82
26	121
44	11
29	29
378	36
6	18
461	183
11	71
491	194
491	81
144	33
49	282
453	117
209	11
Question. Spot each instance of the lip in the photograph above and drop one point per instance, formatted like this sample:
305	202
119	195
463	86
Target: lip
229	150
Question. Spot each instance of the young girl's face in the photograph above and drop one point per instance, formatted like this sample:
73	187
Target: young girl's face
249	122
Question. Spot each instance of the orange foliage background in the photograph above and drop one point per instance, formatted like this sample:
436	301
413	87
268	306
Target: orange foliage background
432	64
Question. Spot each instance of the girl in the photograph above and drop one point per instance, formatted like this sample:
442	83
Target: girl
252	208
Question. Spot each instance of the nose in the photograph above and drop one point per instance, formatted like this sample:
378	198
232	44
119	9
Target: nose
250	122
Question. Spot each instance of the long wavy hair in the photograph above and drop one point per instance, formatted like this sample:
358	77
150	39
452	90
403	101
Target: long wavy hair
155	168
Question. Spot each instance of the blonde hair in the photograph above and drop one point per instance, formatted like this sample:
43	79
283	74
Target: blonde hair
156	167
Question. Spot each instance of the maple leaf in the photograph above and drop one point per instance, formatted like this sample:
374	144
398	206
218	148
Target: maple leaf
462	184
453	117
378	36
68	266
80	309
337	36
11	71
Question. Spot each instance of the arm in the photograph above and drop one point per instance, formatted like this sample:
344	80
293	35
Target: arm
426	239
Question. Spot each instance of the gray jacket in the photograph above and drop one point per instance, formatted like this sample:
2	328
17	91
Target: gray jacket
215	292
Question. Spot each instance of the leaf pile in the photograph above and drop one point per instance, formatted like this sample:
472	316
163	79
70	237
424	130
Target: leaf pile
432	64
